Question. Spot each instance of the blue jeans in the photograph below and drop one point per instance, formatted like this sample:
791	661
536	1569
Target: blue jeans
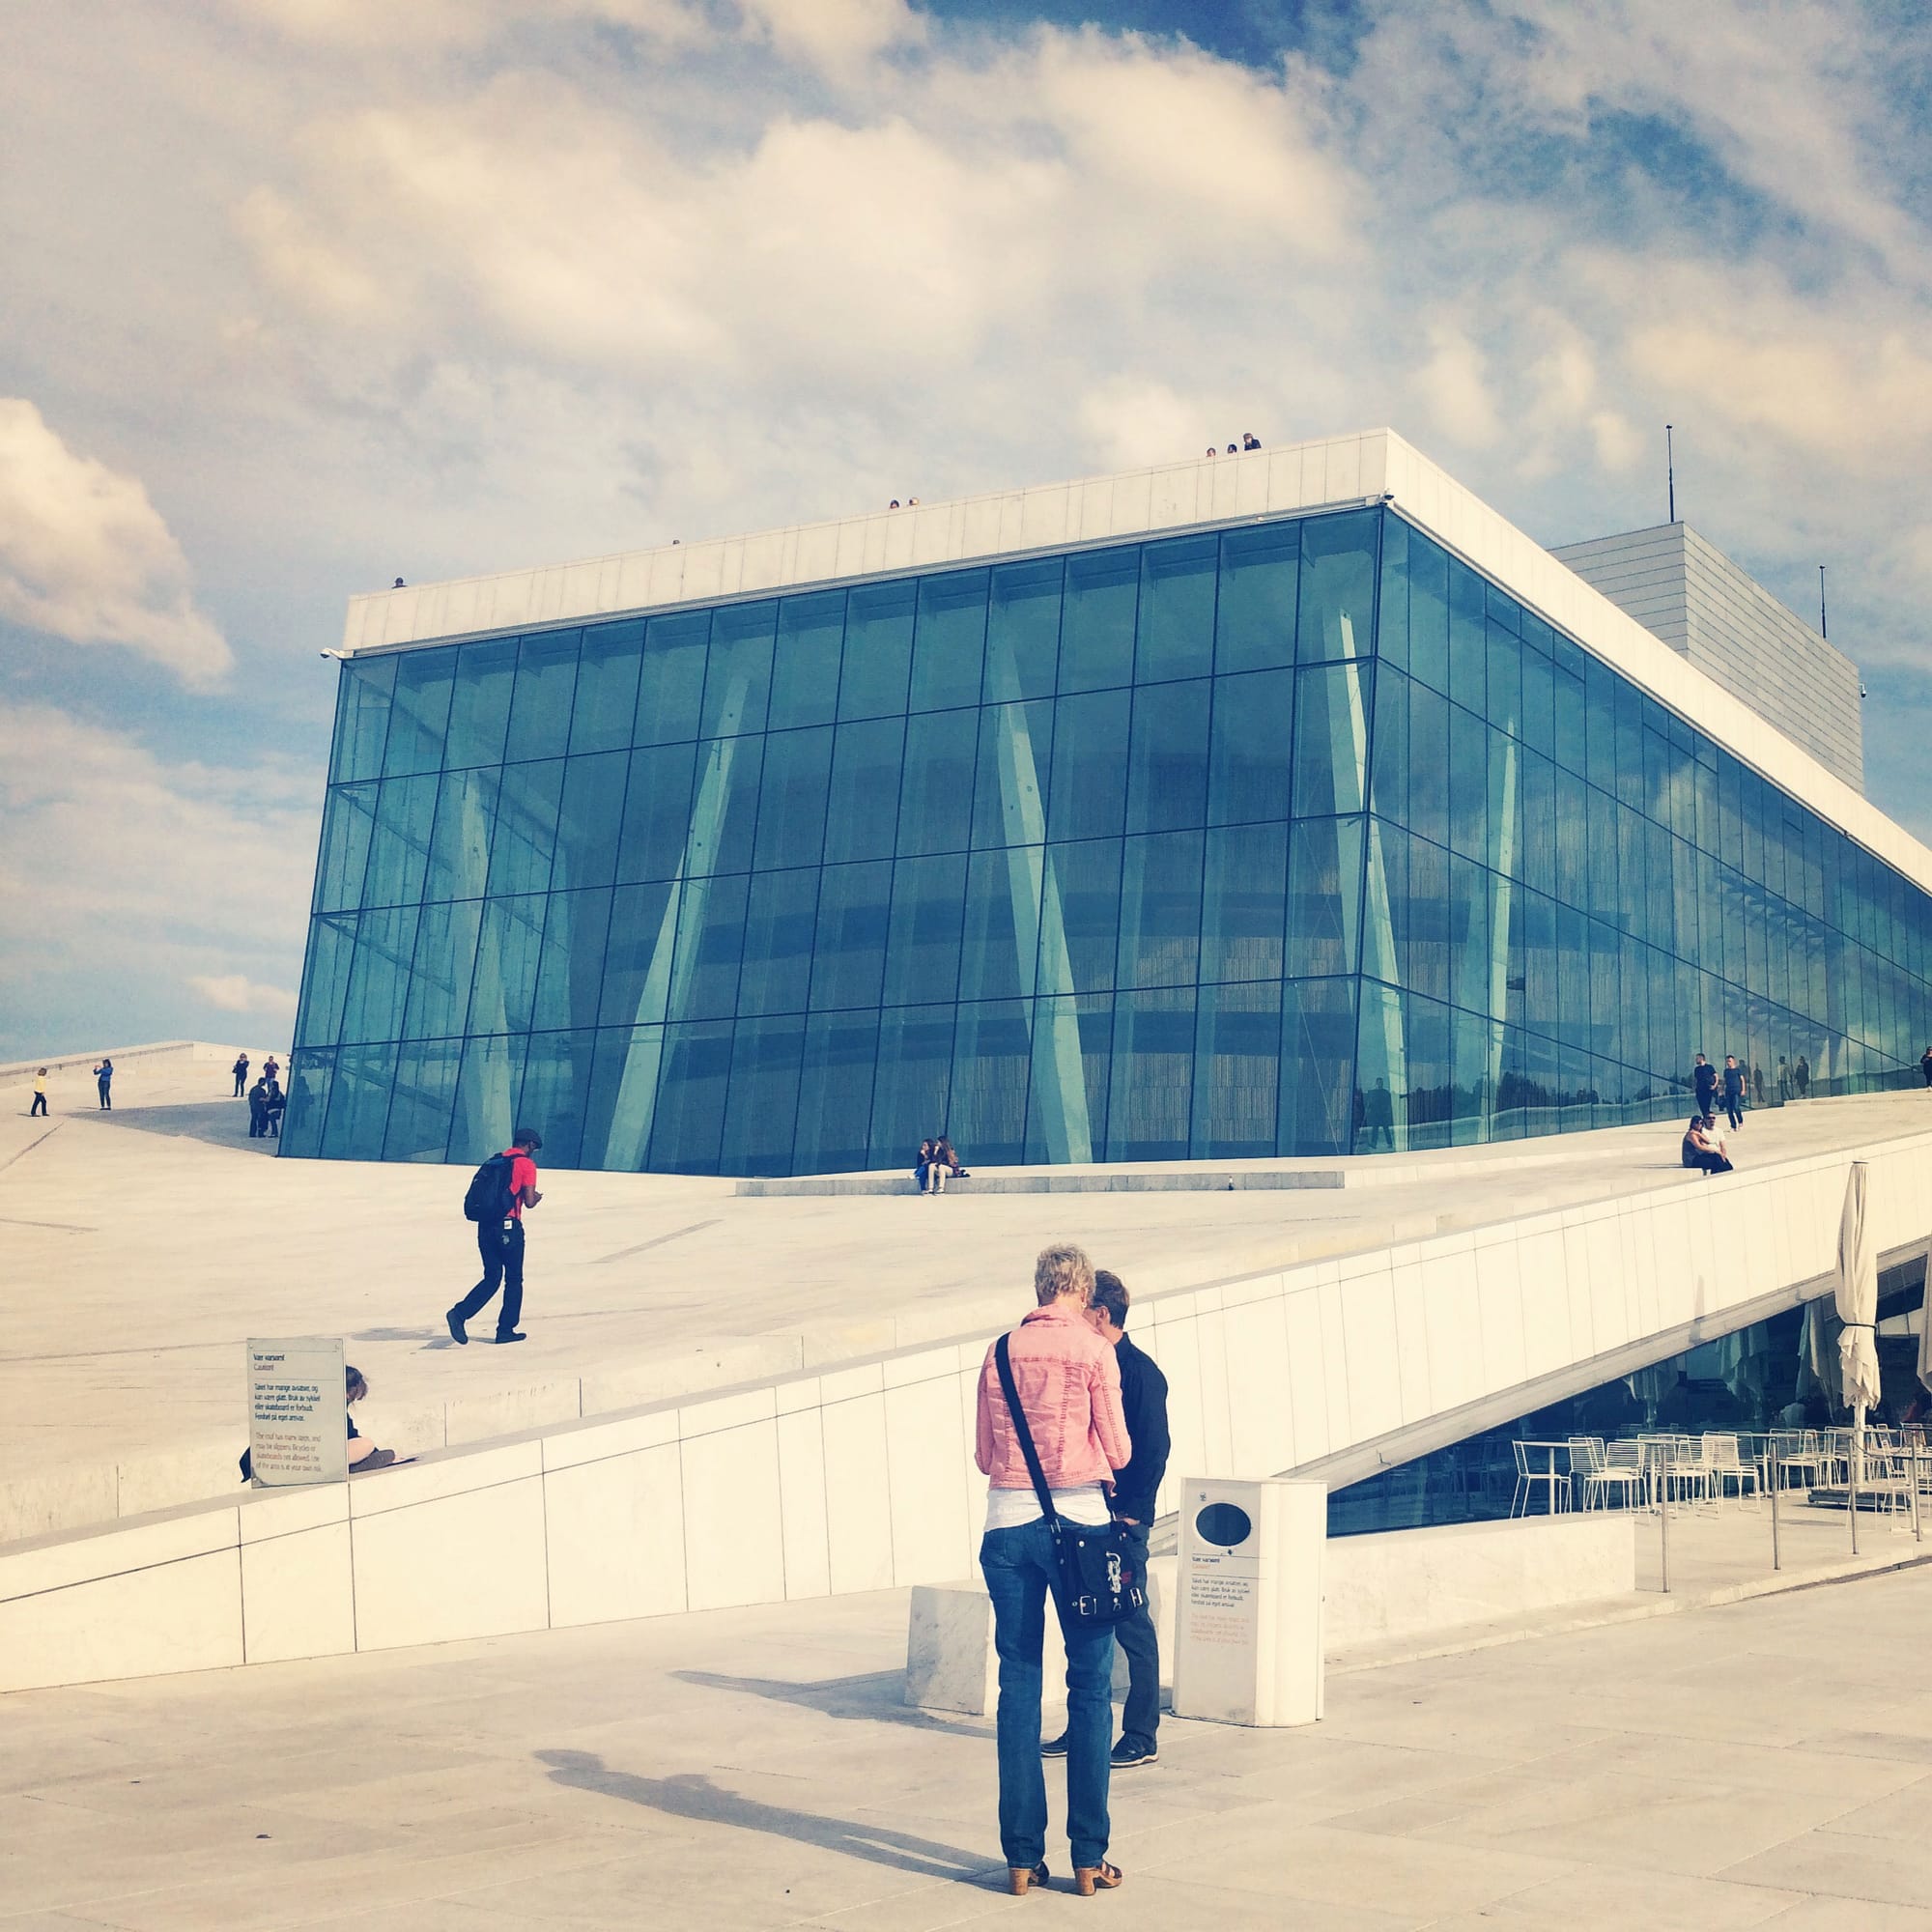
1019	1569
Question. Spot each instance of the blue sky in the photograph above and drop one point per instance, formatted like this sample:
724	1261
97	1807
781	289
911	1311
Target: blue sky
303	295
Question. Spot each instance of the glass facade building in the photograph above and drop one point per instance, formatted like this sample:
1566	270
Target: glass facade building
1297	837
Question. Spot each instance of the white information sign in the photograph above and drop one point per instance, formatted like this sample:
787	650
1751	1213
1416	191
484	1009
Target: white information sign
296	1426
1248	1624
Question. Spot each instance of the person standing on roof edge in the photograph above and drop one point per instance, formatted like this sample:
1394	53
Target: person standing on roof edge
510	1179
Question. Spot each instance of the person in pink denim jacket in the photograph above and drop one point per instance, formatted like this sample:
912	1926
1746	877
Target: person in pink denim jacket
1069	1384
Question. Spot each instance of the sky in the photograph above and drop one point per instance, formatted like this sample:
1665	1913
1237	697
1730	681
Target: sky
301	296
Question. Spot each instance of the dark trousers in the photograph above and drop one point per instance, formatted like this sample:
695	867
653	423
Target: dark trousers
1139	1645
502	1247
240	1079
40	1106
258	1122
106	1096
1734	1109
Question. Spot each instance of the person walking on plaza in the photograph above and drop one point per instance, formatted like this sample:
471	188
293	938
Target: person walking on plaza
274	1104
1143	1401
258	1108
103	1083
1734	1091
40	1106
272	1069
510	1178
1069	1384
240	1071
1704	1078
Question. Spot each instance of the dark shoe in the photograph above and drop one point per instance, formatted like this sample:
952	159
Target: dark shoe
457	1331
509	1335
1054	1746
1130	1751
380	1459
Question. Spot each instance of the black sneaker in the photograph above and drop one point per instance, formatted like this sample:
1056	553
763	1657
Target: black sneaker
1054	1746
1130	1751
509	1335
457	1331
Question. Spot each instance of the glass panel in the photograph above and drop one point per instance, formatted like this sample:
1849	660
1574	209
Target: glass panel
1150	1094
992	1053
507	955
479	707
359	1103
791	806
927	921
348	817
1392	603
1469	637
849	950
865	765
607	689
639	953
1428	613
1249	753
570	983
689	1123
1176	624
419	716
424	1099
1096	630
1338	587
1254	616
524	834
834	1092
331	945
1468	783
779	919
912	1090
1237	1072
1160	910
737	685
1003	935
761	1106
724	804
309	1077
399	851
556	1092
1089	750
657	813
1081	917
445	962
1010	783
1505	679
1245	903
878	651
936	790
361	717
1167	764
1067	1093
950	646
379	981
459	853
1324	889
710	947
1331	736
589	821
1023	631
546	686
805	665
670	677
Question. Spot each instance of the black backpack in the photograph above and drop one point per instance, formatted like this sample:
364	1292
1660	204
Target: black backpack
489	1194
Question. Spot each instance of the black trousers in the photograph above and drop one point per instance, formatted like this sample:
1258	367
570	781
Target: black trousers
1734	1109
106	1096
239	1078
1141	1646
502	1246
258	1122
40	1106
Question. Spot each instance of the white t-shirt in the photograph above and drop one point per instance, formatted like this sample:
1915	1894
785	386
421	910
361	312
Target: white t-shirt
1008	1509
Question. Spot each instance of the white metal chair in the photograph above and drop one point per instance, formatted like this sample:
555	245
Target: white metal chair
1726	1467
1602	1478
1554	1482
1796	1450
1676	1469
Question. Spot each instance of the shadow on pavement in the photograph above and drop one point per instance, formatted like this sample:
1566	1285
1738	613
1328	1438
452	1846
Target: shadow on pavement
690	1795
219	1122
878	1697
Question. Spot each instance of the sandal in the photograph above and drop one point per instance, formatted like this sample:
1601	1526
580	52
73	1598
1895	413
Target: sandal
1090	1879
1019	1878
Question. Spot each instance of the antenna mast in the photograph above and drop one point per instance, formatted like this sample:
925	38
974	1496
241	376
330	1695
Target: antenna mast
1670	470
1822	631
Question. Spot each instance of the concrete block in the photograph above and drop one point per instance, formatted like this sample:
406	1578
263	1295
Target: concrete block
613	1537
733	1523
297	1596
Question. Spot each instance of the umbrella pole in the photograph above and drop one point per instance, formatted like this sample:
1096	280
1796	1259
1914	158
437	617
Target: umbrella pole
1856	1469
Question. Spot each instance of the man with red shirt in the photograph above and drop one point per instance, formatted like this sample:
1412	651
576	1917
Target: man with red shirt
500	1240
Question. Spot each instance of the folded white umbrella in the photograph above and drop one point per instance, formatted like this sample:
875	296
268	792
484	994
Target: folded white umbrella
1857	1297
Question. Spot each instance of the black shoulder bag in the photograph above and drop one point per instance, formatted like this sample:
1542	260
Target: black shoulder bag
1099	1580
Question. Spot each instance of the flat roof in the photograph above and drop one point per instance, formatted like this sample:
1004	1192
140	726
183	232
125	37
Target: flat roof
1329	472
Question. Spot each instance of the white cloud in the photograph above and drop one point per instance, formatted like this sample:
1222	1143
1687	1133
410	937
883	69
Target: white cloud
237	993
85	556
1454	387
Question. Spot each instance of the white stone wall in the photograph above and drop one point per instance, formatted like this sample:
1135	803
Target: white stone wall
861	1478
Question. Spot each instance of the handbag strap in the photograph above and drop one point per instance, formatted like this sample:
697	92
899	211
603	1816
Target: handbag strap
1003	1362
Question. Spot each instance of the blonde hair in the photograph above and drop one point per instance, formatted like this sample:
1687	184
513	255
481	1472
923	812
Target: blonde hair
1062	1269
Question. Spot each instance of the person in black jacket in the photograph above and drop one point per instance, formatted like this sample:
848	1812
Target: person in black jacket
1143	1400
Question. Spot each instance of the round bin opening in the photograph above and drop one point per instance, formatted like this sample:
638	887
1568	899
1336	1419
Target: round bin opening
1223	1524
